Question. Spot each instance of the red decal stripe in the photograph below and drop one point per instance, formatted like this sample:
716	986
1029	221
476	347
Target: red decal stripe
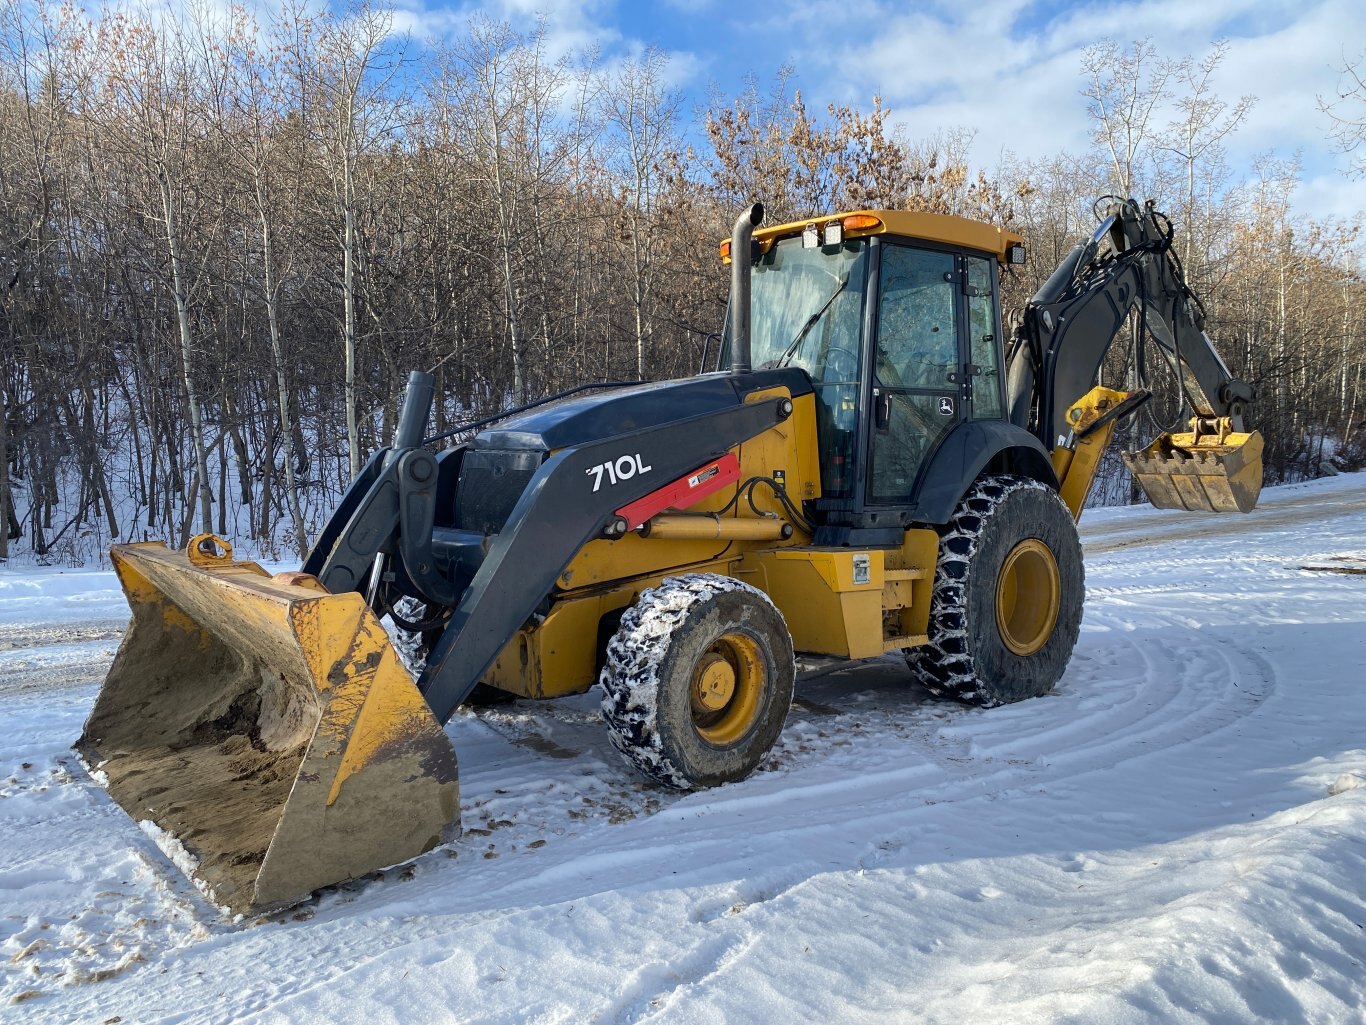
687	490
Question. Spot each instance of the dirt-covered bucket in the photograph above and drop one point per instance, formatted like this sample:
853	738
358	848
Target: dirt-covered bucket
267	726
1220	471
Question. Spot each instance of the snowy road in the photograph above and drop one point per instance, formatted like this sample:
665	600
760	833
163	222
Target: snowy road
1178	833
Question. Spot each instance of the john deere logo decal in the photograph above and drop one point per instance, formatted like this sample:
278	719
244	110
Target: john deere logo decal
945	405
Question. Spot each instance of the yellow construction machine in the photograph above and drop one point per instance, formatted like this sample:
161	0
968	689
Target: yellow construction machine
870	469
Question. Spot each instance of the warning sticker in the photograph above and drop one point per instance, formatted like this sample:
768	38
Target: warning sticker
703	476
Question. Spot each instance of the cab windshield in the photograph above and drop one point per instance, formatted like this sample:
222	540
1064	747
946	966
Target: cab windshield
806	310
806	306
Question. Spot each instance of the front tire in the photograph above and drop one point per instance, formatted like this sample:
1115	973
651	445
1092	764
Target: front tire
1008	593
698	681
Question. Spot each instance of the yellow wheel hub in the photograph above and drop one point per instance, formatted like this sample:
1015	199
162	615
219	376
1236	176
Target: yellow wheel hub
715	682
727	684
1028	595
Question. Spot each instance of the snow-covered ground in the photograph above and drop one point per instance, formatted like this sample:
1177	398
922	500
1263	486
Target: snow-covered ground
1177	834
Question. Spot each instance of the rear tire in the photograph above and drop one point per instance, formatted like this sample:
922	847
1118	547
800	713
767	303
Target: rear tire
698	681
1008	593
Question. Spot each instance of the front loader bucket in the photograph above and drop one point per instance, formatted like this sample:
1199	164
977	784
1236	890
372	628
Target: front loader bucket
1214	472
266	725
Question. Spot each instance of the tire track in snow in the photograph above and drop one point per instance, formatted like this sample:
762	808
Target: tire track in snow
1195	689
1313	507
24	635
647	995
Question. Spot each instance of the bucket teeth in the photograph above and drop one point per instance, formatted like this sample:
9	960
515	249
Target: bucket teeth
268	727
1201	472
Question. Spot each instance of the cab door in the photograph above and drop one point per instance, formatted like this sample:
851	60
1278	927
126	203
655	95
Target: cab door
918	388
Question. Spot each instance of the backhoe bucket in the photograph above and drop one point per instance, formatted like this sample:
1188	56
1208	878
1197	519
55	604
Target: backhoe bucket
266	725
1220	471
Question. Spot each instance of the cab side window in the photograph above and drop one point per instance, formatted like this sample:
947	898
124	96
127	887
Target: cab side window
916	343
983	332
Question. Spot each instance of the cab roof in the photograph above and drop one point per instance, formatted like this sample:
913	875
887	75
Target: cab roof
927	227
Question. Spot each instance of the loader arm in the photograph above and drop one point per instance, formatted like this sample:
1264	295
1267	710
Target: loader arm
1068	329
557	514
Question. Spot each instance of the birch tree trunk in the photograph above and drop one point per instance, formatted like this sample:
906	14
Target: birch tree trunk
182	309
277	353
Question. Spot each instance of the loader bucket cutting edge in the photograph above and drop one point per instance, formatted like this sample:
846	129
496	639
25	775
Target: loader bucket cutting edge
268	726
1200	472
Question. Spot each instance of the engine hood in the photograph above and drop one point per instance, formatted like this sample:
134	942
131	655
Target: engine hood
608	414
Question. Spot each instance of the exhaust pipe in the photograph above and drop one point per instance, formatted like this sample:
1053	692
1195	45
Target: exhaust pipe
416	409
740	237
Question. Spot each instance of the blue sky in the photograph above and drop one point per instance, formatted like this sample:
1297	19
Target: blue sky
1009	70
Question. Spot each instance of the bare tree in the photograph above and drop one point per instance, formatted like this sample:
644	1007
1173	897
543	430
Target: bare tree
1347	112
752	152
195	211
500	91
259	144
356	64
1125	89
1205	121
643	111
147	109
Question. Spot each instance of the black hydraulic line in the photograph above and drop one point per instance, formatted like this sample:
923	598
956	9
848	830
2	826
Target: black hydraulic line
780	493
1082	309
1162	248
1116	412
746	490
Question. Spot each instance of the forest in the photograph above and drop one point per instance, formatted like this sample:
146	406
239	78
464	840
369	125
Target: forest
224	243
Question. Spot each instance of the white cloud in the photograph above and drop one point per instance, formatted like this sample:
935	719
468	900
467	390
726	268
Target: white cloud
1330	197
571	26
1011	71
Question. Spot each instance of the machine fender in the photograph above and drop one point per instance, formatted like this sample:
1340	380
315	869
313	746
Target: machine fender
560	512
965	452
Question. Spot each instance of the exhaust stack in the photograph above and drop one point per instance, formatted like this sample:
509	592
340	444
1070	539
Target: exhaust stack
740	238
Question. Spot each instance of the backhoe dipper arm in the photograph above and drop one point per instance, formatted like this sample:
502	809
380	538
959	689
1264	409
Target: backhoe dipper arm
1080	311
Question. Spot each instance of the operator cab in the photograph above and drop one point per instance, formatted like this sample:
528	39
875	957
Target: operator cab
896	319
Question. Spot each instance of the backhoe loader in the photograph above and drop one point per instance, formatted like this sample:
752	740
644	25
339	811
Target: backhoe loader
871	469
